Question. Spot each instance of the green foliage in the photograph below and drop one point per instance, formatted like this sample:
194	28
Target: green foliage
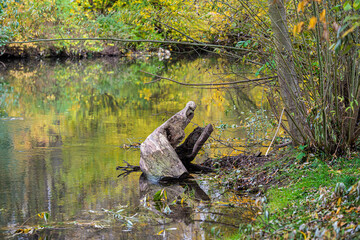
177	20
161	201
259	125
5	35
44	215
302	153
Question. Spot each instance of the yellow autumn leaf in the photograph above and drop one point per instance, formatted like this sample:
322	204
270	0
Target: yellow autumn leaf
312	23
338	210
297	28
261	13
303	234
339	201
301	6
348	31
322	16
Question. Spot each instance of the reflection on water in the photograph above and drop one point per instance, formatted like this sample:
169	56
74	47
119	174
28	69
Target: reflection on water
63	125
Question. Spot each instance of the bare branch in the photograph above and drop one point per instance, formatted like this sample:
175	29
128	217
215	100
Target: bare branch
210	84
198	44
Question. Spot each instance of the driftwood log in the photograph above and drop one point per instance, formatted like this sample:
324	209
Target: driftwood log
161	159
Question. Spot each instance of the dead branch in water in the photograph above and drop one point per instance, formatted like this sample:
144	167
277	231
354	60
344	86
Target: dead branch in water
208	84
127	169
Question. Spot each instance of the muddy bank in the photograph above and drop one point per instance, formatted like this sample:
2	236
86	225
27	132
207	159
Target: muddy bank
41	51
254	173
50	50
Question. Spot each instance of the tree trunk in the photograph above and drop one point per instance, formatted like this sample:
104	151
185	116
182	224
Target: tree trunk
161	159
192	144
289	87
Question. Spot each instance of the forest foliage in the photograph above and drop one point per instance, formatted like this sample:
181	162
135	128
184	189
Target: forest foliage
324	42
194	21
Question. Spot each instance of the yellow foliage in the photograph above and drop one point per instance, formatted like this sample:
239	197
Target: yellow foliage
323	16
297	28
302	5
348	31
145	93
312	23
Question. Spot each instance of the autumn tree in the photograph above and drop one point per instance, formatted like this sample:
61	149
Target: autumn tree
319	75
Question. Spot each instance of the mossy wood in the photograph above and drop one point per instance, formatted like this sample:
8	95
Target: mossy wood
161	159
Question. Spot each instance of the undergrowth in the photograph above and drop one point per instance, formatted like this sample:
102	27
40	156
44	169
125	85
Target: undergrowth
311	198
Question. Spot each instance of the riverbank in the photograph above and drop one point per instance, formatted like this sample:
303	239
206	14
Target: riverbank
300	195
136	26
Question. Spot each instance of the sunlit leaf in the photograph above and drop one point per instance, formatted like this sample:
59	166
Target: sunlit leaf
303	234
165	194
323	16
23	230
339	201
347	6
348	31
312	23
157	196
46	216
356	4
297	28
301	6
338	210
300	156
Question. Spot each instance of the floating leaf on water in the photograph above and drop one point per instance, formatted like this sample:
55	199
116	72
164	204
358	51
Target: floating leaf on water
171	229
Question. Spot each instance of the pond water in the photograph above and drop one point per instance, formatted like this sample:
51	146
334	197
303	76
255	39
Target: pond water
65	126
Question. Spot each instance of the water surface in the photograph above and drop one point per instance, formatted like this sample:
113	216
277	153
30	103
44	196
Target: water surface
66	125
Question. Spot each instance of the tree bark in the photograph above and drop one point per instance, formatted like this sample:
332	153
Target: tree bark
192	144
160	157
289	87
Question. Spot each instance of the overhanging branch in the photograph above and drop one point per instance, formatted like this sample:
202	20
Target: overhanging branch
211	84
198	44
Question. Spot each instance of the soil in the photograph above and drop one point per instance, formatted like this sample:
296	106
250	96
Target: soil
255	173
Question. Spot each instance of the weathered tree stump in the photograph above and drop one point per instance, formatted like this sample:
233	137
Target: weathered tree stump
160	158
192	144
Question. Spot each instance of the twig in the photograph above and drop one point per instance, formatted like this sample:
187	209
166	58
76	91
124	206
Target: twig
187	36
277	130
3	64
282	145
127	169
210	84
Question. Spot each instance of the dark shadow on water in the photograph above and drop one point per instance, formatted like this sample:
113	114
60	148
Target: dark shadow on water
174	188
202	209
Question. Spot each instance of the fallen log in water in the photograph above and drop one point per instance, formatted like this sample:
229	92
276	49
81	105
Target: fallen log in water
161	159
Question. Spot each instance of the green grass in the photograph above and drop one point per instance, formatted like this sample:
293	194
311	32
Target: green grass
305	199
309	176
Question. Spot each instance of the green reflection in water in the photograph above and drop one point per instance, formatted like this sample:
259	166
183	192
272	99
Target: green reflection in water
63	125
